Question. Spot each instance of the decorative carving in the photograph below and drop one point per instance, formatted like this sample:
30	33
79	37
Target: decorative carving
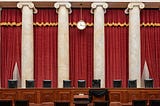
115	97
67	5
28	4
47	97
29	96
132	5
95	5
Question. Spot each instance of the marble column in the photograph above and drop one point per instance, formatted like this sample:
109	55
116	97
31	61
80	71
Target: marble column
0	43
134	42
99	45
63	9
27	61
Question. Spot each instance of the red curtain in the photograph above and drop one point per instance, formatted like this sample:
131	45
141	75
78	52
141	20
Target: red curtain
10	45
81	48
45	47
116	47
150	41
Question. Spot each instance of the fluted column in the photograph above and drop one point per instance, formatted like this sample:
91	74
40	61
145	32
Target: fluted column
27	41
63	9
134	42
99	49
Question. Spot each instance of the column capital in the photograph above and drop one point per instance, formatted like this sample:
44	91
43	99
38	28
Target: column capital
95	5
28	4
66	4
132	5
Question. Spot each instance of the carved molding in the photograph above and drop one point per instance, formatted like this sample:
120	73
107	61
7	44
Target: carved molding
28	4
67	5
132	5
95	5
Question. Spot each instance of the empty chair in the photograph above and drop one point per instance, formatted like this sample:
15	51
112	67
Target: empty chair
148	83
154	102
81	83
21	103
12	83
29	83
5	102
139	102
132	83
47	83
117	83
96	83
66	83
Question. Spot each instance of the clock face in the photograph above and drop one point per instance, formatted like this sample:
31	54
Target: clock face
81	25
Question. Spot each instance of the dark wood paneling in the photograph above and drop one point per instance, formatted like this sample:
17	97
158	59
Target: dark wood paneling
38	96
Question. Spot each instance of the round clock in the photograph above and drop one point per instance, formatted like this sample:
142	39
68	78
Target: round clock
81	25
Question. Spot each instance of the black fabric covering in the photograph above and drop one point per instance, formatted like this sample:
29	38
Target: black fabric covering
5	102
98	93
139	103
21	103
154	103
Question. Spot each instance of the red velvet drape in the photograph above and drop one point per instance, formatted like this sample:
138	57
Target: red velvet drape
150	41
45	47
116	47
10	45
81	48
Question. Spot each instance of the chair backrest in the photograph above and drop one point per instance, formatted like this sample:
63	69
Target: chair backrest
47	83
21	102
81	83
5	102
139	102
29	83
66	83
154	102
12	83
117	83
148	83
96	83
132	83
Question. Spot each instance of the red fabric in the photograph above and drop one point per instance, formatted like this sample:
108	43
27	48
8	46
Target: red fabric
116	48
45	48
150	41
10	45
81	48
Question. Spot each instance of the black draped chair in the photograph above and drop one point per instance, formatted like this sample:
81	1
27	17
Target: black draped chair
148	83
66	83
95	94
47	83
132	83
117	83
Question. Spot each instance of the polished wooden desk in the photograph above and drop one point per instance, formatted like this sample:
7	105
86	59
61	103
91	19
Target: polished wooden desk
123	96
